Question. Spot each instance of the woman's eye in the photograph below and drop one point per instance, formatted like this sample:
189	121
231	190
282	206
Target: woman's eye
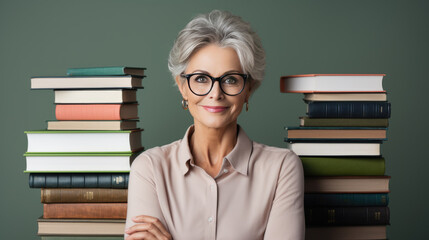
201	79
230	80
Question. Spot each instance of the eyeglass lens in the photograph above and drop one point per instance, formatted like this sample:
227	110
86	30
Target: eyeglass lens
231	84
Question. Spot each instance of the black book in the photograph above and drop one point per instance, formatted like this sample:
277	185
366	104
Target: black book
348	109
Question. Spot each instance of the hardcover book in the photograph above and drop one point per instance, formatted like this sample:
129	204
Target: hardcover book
83	141
79	162
343	166
336	133
96	111
78	180
85	210
347	184
334	149
346	232
348	109
337	216
309	83
86	82
345	199
345	97
344	122
83	195
81	227
96	96
99	125
103	71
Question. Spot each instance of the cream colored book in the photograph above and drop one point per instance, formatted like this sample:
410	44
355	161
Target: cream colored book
345	97
76	227
92	125
96	96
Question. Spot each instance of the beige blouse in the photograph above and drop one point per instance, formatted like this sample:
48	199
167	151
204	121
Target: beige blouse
258	193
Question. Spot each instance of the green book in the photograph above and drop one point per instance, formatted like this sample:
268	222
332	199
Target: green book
343	122
106	71
343	166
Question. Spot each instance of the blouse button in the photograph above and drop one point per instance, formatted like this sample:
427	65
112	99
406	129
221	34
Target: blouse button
210	219
225	171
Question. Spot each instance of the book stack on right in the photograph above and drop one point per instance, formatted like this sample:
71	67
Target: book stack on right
339	143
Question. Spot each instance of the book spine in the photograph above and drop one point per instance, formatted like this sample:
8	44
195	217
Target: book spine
85	210
343	166
78	180
346	199
337	216
88	112
349	110
344	122
83	195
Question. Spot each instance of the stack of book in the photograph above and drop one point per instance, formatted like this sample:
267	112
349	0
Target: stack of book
339	143
81	161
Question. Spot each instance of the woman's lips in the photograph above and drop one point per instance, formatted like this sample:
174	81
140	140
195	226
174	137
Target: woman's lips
214	109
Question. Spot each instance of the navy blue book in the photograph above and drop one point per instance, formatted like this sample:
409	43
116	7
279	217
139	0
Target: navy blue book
79	180
348	109
341	216
345	199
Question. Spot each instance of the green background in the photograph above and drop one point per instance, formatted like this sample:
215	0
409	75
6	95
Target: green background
44	38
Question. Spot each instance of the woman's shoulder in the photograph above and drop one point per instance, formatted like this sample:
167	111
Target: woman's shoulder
263	153
157	155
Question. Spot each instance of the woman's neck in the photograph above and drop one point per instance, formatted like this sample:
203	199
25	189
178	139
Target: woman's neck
210	145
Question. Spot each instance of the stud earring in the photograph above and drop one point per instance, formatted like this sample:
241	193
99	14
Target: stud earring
184	104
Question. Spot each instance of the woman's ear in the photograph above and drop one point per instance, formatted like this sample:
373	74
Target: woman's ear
182	87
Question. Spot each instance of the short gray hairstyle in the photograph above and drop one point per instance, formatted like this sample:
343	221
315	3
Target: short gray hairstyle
226	30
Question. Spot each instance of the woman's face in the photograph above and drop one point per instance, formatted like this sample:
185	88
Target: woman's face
216	109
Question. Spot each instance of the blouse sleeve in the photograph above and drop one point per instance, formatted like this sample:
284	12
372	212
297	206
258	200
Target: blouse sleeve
286	219
142	195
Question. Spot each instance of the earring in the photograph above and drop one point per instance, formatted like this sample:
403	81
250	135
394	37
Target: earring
247	106
184	104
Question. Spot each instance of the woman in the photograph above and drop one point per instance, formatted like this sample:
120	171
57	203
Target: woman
216	183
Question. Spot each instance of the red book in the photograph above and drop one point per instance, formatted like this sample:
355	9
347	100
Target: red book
96	111
85	210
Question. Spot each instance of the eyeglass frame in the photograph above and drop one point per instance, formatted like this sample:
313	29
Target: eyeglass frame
188	77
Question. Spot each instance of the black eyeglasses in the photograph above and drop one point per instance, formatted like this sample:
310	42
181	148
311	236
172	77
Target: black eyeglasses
230	83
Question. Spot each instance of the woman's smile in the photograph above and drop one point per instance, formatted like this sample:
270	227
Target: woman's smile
215	109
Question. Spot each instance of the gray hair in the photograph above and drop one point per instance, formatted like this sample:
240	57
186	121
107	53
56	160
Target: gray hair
226	30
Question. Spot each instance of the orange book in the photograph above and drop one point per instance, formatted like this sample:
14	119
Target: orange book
96	111
85	210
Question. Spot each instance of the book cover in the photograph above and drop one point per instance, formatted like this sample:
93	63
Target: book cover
86	82
343	166
345	199
81	227
85	210
96	111
83	195
98	125
96	96
78	180
313	83
336	133
103	71
347	184
348	109
343	122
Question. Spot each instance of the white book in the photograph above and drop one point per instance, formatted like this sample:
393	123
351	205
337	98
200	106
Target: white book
309	83
83	141
78	162
335	149
86	82
95	96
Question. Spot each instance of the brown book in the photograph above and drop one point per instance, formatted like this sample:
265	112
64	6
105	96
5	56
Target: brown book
346	232
336	133
343	122
85	210
347	184
81	227
83	195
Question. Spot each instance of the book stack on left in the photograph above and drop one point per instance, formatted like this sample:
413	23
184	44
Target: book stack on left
339	143
81	161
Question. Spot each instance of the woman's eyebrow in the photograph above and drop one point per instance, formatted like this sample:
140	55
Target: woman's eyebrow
205	72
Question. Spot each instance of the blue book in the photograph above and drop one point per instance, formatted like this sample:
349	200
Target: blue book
106	71
345	199
78	180
348	109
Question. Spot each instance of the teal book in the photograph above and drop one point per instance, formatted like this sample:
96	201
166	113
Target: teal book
106	71
343	166
345	199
